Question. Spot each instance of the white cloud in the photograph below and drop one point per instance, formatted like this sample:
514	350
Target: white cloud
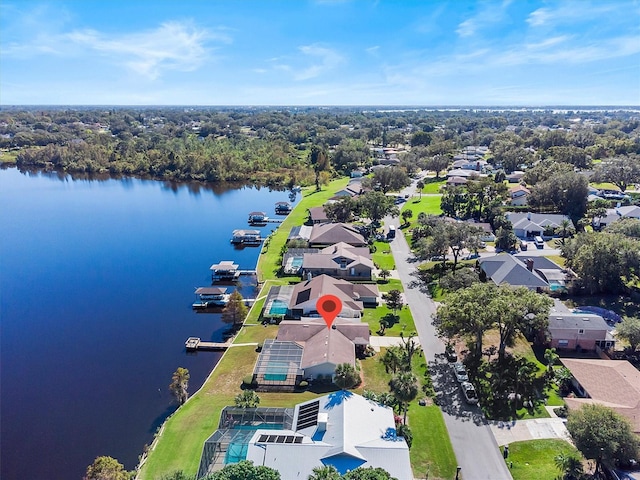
177	46
172	46
572	12
490	14
328	60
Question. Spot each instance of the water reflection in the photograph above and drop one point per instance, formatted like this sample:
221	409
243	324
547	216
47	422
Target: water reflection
114	263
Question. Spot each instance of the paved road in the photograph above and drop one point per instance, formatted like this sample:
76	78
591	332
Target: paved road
473	442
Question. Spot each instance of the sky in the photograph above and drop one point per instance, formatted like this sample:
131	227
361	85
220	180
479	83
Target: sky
320	52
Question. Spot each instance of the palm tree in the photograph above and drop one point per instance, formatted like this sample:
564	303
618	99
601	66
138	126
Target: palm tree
247	399
392	359
420	186
565	229
406	215
179	384
326	472
569	465
551	357
404	387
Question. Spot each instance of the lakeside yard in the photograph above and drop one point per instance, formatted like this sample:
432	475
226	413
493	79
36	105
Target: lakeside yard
179	445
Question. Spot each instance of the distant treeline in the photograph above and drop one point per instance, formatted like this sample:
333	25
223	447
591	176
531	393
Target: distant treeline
272	146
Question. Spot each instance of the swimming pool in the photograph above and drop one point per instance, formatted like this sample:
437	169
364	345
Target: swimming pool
277	308
239	444
276	372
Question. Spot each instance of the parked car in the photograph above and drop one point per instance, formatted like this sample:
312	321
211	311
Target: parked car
471	256
460	372
469	393
438	258
451	354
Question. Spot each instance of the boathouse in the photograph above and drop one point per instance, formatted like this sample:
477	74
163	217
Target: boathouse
257	218
283	208
246	237
224	271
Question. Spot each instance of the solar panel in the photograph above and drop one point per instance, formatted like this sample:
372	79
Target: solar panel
308	415
289	439
263	438
281	439
297	440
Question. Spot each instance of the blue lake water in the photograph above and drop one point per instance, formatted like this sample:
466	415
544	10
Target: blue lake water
96	285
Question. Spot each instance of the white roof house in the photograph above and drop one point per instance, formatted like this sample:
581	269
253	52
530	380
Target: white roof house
341	429
614	214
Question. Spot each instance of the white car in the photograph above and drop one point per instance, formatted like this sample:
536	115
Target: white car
460	372
469	393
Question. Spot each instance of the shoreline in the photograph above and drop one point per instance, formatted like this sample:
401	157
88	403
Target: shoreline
264	278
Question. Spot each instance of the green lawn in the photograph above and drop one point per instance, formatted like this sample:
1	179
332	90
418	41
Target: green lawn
405	324
431	450
382	257
429	205
270	257
605	185
533	459
432	185
390	284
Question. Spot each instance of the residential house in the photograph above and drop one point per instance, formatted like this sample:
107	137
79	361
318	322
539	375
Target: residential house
488	235
456	181
353	189
515	177
522	272
353	296
317	215
339	261
325	348
612	383
468	174
469	163
519	194
327	234
341	429
615	214
579	331
529	225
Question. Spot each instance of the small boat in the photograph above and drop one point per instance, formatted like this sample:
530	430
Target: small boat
209	297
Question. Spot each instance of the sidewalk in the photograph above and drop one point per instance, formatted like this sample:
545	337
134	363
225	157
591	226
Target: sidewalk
377	342
534	429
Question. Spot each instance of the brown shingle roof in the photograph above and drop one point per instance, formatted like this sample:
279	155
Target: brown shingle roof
331	233
328	346
613	383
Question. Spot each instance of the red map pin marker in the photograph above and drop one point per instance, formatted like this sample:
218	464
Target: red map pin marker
329	306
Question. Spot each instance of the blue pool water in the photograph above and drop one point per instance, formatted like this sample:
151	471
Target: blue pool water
278	307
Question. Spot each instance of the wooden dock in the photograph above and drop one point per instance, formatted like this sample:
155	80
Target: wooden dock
247	272
194	343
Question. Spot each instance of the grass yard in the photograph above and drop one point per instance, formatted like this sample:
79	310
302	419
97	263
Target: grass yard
431	185
390	284
270	257
405	324
431	451
382	257
605	186
429	205
376	379
533	459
